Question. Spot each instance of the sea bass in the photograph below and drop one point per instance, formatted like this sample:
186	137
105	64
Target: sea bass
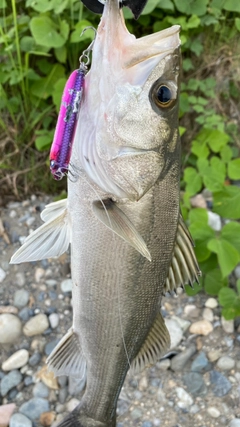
129	244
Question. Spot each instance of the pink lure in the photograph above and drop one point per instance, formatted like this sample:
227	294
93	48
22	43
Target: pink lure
61	148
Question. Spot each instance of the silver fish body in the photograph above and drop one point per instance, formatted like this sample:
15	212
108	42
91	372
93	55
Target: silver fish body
129	244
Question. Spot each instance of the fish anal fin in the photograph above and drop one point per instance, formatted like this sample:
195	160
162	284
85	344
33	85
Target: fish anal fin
155	345
67	358
184	267
114	218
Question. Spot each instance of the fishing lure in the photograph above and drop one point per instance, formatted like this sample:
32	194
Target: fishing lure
61	148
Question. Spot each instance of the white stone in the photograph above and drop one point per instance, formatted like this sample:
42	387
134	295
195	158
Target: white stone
237	272
39	274
208	314
71	405
213	412
53	320
175	332
227	325
66	285
202	327
2	275
36	325
214	221
189	308
184	324
225	363
211	303
10	328
235	423
185	400
16	360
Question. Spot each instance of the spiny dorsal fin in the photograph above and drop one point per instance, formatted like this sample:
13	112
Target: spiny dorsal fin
48	241
113	217
156	344
184	267
67	358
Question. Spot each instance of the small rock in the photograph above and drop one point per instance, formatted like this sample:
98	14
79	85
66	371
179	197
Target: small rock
47	418
208	314
40	390
36	325
195	384
20	420
20	279
211	303
50	346
34	408
237	272
175	332
16	360
147	424
38	344
66	285
220	384
191	310
10	328
2	275
213	412
179	361
164	364
183	323
185	400
5	414
48	378
39	274
9	381
198	201
200	363
24	314
235	423
143	383
54	320
8	309
202	327
21	298
214	355
214	221
225	363
35	359
136	413
72	404
227	325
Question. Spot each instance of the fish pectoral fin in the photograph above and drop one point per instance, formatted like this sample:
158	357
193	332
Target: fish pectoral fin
114	218
156	344
67	358
184	267
48	241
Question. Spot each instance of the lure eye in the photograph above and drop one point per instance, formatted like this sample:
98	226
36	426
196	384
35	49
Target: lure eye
162	95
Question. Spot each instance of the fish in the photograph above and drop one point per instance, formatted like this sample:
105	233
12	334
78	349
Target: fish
129	242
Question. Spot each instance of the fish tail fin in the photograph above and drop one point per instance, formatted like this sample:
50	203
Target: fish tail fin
77	418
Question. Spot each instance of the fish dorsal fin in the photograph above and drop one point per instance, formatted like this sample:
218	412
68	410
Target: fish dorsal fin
67	358
184	267
50	240
155	345
114	218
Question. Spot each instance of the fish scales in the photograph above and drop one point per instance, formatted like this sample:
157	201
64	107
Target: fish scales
129	244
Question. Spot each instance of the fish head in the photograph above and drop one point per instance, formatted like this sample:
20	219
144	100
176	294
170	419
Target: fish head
128	124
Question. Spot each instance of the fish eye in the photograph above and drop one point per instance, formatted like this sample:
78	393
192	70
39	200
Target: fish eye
162	95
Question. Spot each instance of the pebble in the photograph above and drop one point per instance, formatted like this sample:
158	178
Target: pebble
39	274
5	414
72	404
185	400
24	314
16	360
40	390
66	285
195	383
8	309
214	355
50	346
183	323
10	328
214	221
207	314
47	418
220	384
2	275
36	325
175	332
136	413
200	363
191	310
20	279
34	408
213	412
235	423
198	201
211	303
9	381
21	298
179	361
35	359
20	420
237	272
227	325
201	327
225	363
54	320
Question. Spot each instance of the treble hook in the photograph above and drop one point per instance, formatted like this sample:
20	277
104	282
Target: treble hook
84	58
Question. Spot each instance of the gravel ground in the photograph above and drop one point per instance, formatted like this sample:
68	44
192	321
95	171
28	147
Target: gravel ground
196	384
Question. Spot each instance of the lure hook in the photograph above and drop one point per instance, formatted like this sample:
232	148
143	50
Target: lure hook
85	58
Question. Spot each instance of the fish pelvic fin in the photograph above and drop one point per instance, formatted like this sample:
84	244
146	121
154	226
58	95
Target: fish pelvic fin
114	218
67	358
184	267
154	347
77	418
51	239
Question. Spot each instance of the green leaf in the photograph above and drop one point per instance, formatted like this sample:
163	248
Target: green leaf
61	54
232	5
192	7
227	202
237	23
238	286
195	290
234	169
217	140
45	87
200	149
3	4
213	282
231	233
226	153
43	142
166	5
64	29
201	250
213	174
58	92
230	312
227	296
45	32
193	181
27	43
201	231
150	6
198	215
228	256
